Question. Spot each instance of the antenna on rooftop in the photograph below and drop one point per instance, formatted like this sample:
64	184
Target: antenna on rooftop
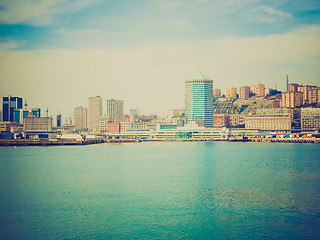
25	104
47	112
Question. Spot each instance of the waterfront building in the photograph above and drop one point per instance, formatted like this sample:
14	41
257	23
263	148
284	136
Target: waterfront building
217	92
7	127
9	104
292	113
310	118
244	92
199	99
272	123
80	118
291	99
190	131
231	92
103	124
237	120
94	112
113	127
221	120
124	126
115	110
33	124
20	114
259	90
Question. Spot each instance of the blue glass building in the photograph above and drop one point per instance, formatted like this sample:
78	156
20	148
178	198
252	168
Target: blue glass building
20	114
9	104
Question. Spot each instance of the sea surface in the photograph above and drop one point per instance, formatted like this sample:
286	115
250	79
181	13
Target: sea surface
161	190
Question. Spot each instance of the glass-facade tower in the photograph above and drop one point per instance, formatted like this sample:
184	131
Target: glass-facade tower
199	99
9	104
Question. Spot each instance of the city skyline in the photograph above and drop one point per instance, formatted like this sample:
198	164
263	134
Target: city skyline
143	51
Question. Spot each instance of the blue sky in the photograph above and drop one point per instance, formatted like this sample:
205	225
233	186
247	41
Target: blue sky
152	47
130	22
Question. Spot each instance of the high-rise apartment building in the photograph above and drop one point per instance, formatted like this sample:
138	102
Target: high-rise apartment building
115	110
80	118
199	99
259	90
94	112
231	92
291	99
306	90
314	96
244	92
9	104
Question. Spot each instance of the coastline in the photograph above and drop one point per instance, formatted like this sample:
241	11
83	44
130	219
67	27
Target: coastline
61	142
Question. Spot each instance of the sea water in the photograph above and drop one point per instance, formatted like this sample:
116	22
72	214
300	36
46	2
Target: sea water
161	190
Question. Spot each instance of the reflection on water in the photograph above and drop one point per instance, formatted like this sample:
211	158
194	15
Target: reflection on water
161	190
226	199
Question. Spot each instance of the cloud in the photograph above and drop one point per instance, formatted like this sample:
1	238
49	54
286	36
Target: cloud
265	14
40	12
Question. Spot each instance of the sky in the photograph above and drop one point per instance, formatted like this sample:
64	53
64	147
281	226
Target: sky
57	53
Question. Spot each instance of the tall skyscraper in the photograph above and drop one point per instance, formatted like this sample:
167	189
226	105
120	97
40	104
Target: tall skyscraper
9	104
115	110
291	99
199	99
94	112
80	118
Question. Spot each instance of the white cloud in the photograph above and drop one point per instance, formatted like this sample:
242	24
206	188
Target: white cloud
40	12
265	14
